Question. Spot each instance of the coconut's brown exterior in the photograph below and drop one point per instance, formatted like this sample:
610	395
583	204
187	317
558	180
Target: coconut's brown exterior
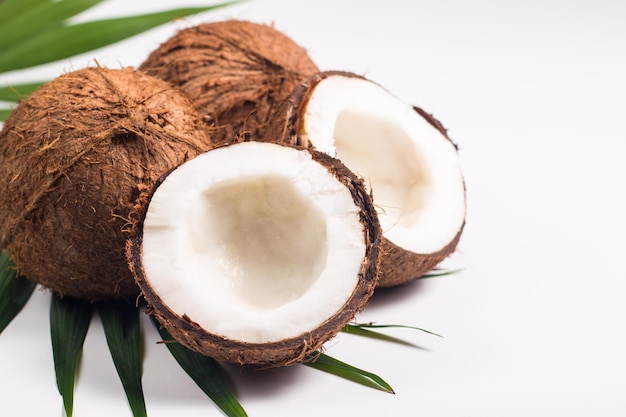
287	125
234	71
300	348
74	156
399	266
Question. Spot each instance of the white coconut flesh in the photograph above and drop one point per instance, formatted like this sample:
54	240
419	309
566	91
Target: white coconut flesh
255	242
411	167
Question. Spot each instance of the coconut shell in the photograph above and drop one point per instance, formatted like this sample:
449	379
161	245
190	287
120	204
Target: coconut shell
74	156
234	71
287	126
297	349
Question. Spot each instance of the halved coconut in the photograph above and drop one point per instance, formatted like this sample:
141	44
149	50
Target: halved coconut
403	154
256	253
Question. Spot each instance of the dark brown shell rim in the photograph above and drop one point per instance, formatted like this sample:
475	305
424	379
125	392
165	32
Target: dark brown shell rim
287	351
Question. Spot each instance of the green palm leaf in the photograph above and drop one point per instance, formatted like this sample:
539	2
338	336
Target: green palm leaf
440	272
14	93
4	114
15	291
66	41
352	328
206	373
39	17
364	330
11	8
69	322
329	364
121	328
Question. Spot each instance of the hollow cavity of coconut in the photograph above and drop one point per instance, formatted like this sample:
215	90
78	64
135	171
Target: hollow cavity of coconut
74	157
256	253
235	72
403	154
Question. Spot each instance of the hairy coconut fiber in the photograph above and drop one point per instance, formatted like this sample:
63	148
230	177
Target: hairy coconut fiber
300	347
234	71
74	156
287	126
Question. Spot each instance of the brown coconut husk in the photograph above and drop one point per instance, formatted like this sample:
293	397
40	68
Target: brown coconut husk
286	126
234	71
297	349
74	156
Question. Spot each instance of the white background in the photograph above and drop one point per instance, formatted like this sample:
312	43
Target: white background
535	325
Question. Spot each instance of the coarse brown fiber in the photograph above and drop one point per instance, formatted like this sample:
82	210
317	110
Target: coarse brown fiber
74	156
234	71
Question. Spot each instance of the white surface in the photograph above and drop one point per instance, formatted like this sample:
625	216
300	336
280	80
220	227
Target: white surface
536	323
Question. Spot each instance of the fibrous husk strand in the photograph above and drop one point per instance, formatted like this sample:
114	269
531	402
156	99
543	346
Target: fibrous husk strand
234	71
74	156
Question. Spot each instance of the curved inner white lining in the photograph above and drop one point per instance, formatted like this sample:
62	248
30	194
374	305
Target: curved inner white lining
205	280
263	238
411	167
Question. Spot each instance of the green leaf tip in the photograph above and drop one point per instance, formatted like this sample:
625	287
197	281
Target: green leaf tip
206	373
69	323
440	272
120	321
326	363
352	328
15	291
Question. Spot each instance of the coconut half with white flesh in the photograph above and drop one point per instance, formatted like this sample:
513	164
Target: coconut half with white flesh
403	154
256	253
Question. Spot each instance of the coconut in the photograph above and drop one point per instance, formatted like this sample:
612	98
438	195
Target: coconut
235	72
404	155
256	253
74	156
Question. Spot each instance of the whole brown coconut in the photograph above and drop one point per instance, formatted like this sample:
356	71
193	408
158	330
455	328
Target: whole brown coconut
234	71
276	250
404	155
74	156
